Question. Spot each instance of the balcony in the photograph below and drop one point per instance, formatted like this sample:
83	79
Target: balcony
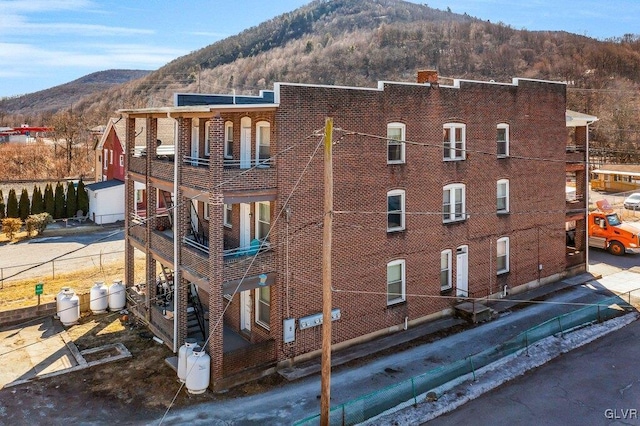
575	154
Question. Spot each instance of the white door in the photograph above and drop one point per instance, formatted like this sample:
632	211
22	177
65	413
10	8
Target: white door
245	225
245	143
245	310
462	272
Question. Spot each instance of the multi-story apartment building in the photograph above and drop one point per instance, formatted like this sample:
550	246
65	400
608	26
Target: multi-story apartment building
442	192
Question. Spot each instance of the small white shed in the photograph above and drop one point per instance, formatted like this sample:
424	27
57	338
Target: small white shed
106	201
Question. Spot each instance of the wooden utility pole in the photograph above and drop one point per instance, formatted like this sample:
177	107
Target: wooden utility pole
325	395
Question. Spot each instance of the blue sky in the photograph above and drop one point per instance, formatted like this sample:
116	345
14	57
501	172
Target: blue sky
44	43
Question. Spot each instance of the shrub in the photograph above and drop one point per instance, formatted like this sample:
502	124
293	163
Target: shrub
2	206
49	202
12	205
59	210
37	203
11	226
83	198
72	200
38	223
24	205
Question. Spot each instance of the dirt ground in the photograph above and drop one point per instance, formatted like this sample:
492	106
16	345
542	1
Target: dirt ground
138	390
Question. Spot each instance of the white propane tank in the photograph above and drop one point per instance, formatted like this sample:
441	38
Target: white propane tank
198	366
69	312
61	293
117	296
183	353
99	298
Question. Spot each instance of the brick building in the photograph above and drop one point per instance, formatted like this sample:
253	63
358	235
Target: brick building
442	192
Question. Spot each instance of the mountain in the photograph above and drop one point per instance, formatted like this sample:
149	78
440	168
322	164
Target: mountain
65	95
358	42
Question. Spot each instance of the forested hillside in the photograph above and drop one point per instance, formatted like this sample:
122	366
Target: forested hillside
358	42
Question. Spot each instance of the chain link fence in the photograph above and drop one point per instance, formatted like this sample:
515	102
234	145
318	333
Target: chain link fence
411	390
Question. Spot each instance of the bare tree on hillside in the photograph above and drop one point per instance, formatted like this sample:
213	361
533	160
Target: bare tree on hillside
69	129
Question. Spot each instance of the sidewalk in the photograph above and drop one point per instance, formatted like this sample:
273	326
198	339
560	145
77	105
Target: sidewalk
430	329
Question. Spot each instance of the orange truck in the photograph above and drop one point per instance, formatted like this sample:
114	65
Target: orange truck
608	232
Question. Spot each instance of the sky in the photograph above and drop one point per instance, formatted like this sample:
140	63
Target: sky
44	43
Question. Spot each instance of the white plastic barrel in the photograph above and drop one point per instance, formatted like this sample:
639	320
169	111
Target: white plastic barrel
69	312
198	367
99	298
117	296
183	353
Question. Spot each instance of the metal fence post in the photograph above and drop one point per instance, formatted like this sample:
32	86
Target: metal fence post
53	269
1	278
561	330
413	389
526	342
473	370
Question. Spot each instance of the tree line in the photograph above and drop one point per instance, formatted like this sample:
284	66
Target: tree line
57	202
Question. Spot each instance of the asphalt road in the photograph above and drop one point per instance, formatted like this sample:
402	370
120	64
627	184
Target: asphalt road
71	252
597	384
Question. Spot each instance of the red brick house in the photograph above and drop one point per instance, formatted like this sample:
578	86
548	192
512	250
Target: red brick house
441	192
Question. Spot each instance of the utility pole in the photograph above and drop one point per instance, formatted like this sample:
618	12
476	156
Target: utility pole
325	386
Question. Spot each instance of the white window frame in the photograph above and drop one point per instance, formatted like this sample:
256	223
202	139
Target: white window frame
110	156
227	215
260	142
395	193
259	221
396	142
259	305
206	211
121	160
501	126
207	147
450	200
502	251
402	297
504	183
105	161
228	139
446	256
453	150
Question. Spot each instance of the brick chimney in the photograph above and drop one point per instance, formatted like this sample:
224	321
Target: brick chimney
428	76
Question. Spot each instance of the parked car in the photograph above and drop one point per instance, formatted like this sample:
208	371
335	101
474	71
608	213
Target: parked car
632	202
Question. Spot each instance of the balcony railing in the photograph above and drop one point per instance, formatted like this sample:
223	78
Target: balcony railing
229	163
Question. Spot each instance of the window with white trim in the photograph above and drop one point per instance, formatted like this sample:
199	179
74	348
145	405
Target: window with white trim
395	143
263	306
502	140
207	144
396	282
228	211
445	270
121	160
453	202
263	143
105	159
263	220
206	211
502	193
110	156
454	141
228	140
395	210
502	255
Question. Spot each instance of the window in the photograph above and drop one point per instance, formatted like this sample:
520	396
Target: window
503	196
395	148
502	260
502	139
121	160
263	306
110	157
228	210
263	220
395	210
453	141
105	156
206	211
395	282
263	148
228	139
453	203
445	270
207	145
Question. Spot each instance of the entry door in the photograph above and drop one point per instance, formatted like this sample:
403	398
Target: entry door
245	310
245	147
462	271
245	225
